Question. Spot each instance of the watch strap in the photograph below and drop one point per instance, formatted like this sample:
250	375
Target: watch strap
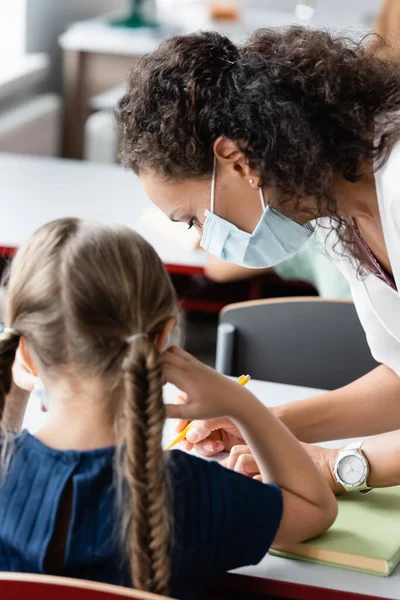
354	446
357	446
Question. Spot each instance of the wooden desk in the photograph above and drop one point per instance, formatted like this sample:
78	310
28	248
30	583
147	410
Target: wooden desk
35	190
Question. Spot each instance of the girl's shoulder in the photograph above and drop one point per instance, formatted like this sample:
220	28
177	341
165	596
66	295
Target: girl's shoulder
20	448
235	517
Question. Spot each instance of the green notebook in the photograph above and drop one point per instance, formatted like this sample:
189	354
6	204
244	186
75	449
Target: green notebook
365	536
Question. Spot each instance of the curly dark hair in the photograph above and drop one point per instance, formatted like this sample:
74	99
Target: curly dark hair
301	104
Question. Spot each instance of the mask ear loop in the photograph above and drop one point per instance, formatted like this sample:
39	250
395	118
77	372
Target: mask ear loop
213	185
263	206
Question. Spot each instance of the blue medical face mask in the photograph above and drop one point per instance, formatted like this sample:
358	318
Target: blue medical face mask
275	239
40	395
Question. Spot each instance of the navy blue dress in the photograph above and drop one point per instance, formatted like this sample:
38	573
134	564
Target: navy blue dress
221	520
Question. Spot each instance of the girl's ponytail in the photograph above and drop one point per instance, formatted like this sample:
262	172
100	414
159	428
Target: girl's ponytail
9	341
143	421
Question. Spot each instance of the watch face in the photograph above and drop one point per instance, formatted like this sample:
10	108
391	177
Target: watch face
351	470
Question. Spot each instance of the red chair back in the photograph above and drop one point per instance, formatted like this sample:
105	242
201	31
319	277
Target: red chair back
21	586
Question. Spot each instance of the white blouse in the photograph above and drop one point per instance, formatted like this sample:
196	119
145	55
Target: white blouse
377	304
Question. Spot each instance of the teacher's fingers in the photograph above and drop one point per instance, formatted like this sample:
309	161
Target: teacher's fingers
210	447
186	446
246	465
181	424
242	461
202	429
234	454
207	436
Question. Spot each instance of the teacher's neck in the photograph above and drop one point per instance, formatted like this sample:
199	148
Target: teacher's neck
358	199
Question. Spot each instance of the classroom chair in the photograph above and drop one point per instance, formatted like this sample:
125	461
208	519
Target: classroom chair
311	342
19	586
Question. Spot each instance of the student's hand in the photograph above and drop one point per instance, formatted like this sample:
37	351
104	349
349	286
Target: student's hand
211	437
22	374
207	394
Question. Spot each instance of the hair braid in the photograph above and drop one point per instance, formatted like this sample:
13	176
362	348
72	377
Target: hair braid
8	347
144	417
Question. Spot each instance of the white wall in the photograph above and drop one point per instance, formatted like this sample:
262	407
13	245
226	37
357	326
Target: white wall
47	19
328	13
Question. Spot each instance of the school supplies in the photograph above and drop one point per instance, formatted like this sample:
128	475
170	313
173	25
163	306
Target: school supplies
365	536
243	380
224	11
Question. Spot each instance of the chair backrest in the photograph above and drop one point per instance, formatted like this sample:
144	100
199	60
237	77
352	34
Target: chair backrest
19	586
311	342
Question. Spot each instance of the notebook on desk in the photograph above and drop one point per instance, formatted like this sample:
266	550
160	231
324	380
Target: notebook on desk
365	536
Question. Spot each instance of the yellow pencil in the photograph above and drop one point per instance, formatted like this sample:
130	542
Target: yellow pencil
243	380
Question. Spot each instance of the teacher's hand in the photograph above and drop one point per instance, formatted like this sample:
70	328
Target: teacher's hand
207	397
211	437
324	459
242	461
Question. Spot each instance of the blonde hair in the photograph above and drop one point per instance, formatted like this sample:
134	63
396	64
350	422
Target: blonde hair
77	292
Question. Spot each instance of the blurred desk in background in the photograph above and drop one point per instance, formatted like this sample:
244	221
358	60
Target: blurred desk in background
36	190
96	57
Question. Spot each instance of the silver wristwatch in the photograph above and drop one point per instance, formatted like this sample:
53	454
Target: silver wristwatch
351	469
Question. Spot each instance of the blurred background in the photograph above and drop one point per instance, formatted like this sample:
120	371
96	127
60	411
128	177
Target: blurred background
61	62
62	68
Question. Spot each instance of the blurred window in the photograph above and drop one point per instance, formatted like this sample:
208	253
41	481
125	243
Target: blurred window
12	30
